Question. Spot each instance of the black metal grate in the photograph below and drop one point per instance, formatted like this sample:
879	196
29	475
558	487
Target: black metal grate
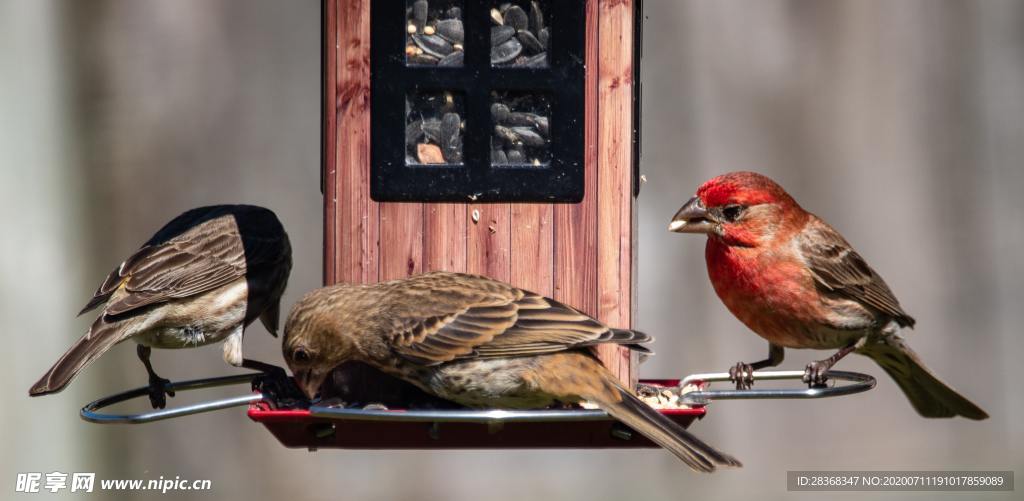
394	83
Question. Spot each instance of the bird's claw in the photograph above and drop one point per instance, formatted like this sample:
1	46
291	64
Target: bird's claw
276	386
816	374
158	388
742	374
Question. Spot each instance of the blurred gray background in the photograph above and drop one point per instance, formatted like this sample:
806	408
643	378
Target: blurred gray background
901	123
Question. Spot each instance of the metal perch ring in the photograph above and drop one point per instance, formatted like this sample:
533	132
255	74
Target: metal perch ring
89	412
860	383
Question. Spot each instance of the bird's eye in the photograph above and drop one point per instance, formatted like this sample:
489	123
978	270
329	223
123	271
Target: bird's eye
300	355
731	213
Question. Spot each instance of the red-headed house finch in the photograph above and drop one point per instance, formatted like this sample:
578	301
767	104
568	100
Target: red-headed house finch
479	343
796	282
201	279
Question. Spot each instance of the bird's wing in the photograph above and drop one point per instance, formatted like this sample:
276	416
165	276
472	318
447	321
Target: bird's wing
199	260
447	316
199	251
837	267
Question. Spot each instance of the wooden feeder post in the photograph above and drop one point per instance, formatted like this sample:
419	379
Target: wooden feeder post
582	254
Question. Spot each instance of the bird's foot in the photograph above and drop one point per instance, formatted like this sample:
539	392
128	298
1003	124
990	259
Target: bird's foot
375	407
816	373
742	374
159	391
276	387
648	390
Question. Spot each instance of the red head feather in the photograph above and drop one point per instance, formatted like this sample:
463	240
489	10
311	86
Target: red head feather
743	188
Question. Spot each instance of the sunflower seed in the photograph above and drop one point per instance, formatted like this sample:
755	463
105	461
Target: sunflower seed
451	30
425	59
542	125
498	157
499	112
528	136
454	59
516	156
451	141
419	14
431	129
536	18
454	13
506	134
521	119
529	41
537	61
516	18
496	17
505	52
413	132
432	44
499	34
542	36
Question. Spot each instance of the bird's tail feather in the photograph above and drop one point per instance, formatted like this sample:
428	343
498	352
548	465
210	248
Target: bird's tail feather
667	433
101	336
927	393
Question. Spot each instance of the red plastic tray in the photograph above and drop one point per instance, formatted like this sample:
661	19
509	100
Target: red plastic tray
302	428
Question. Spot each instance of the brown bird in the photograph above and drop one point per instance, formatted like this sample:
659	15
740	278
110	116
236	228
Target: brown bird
201	279
795	281
477	342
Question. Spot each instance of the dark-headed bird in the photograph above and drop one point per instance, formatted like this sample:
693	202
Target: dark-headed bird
479	343
201	279
795	281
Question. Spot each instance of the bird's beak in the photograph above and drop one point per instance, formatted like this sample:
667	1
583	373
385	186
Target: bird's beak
693	217
309	382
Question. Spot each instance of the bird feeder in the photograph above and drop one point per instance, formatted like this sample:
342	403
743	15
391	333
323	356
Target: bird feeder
497	138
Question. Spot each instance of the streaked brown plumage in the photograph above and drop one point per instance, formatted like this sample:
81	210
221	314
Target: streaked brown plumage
201	279
477	342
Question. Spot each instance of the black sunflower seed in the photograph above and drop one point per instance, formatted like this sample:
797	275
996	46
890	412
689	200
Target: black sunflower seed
451	139
505	52
537	61
499	112
498	157
454	59
536	18
516	156
419	14
516	18
500	34
529	41
528	136
432	44
451	30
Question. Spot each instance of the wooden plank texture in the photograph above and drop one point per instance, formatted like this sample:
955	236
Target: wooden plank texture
614	212
575	274
532	248
488	240
356	216
401	230
444	237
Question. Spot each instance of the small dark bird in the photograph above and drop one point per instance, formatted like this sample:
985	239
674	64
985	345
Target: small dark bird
794	280
201	279
479	343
